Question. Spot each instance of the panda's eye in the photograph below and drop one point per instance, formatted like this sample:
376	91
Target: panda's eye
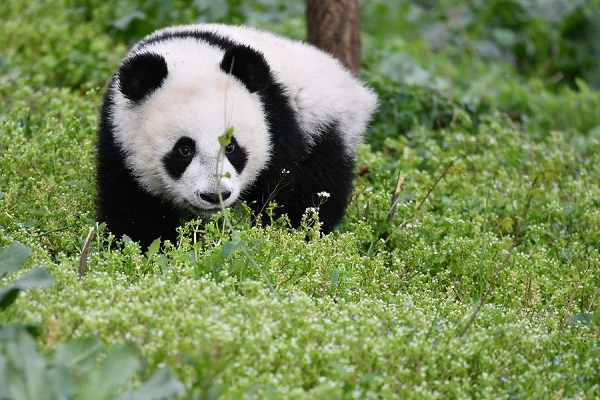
185	151
229	148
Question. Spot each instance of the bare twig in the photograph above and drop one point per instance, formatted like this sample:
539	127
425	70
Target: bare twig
367	210
84	252
395	199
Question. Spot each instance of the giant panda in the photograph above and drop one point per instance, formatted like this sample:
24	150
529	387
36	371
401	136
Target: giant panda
294	116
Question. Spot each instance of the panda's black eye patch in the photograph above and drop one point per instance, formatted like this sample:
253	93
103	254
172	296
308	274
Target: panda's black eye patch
181	155
237	155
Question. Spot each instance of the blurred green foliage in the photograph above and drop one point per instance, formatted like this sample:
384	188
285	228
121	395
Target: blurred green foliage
556	40
72	369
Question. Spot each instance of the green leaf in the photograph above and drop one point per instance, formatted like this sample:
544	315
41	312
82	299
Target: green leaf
582	85
226	137
8	295
161	385
583	319
457	169
116	370
229	248
25	373
60	383
334	277
10	332
153	248
13	257
3	383
163	261
35	278
80	353
506	223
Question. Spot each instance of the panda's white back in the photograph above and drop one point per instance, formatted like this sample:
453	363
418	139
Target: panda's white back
319	87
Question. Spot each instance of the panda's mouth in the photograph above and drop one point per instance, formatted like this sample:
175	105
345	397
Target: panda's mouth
202	208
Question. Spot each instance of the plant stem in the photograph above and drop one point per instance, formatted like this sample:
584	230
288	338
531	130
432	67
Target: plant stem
445	172
515	242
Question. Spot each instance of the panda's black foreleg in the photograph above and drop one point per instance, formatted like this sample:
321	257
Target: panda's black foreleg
124	206
139	216
324	180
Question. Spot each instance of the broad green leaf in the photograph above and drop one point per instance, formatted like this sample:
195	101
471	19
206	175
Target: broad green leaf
60	383
583	319
163	261
161	385
10	332
80	353
36	277
334	277
13	257
25	374
8	295
108	379
229	248
3	382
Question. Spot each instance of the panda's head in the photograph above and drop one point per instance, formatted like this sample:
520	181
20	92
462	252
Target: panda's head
171	104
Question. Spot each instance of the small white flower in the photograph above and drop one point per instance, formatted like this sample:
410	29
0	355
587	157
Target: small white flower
311	211
285	171
324	195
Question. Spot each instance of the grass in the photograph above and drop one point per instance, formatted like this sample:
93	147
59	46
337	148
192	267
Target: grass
482	282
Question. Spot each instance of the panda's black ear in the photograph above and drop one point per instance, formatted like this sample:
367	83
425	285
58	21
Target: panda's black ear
249	66
141	75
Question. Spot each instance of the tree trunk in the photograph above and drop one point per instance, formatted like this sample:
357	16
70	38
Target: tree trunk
334	26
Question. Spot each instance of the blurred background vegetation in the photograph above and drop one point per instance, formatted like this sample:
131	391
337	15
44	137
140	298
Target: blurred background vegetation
522	57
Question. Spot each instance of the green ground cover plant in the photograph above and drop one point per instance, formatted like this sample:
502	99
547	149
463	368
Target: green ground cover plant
467	266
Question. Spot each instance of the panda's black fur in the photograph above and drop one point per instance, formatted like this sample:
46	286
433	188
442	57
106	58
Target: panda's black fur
299	164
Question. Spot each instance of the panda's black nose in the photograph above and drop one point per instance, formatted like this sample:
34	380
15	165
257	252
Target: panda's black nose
213	198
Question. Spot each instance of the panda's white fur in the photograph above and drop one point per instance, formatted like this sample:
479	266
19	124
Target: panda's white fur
320	88
198	99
